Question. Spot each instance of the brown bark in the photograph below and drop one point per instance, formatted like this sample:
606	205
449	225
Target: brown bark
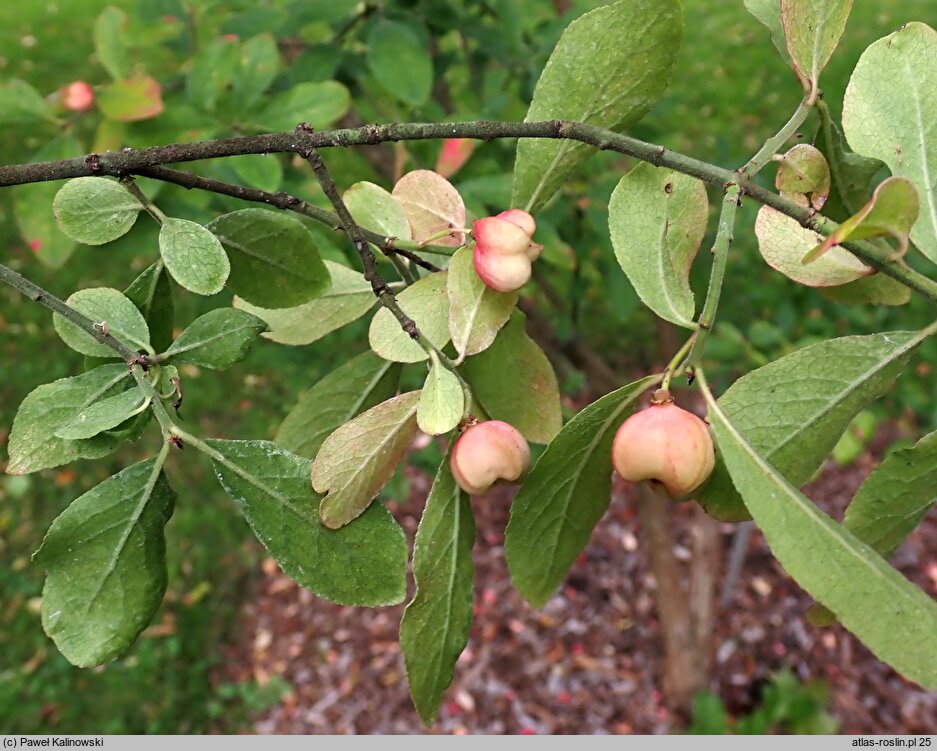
682	676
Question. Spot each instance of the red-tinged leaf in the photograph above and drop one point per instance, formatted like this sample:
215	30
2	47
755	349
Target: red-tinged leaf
132	99
891	212
454	154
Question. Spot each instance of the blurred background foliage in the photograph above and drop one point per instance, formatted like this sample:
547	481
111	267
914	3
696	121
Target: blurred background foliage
175	70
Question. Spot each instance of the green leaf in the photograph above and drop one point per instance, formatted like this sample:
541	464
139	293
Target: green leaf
358	459
513	381
427	304
399	58
151	292
793	410
263	171
257	67
435	625
565	495
104	414
217	339
105	563
132	99
432	206
657	219
812	29
608	69
21	104
346	300
804	176
851	174
877	289
194	257
32	208
867	596
103	305
361	564
95	210
275	260
47	408
768	12
109	45
319	104
375	209
442	401
212	69
891	212
358	385
888	112
895	497
476	312
784	243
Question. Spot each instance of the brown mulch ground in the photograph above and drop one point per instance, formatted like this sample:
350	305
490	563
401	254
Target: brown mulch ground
589	661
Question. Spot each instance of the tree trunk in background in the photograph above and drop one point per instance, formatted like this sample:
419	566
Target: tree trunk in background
686	615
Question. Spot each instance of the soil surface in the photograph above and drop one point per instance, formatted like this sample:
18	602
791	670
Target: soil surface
590	660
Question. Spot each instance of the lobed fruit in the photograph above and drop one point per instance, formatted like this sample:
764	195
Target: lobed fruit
504	250
486	453
664	444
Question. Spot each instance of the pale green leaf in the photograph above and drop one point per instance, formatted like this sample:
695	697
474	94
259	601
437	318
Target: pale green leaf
358	459
399	59
608	69
432	206
442	401
275	260
95	210
375	209
476	312
427	303
804	176
33	444
657	219
866	595
895	497
435	625
318	103
768	12
361	564
32	208
347	299
103	305
105	562
565	495
513	381
812	29
358	385
194	257
888	113
104	414
793	410
784	243
217	339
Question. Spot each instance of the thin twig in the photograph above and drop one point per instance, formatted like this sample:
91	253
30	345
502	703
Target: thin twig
369	263
93	328
126	161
